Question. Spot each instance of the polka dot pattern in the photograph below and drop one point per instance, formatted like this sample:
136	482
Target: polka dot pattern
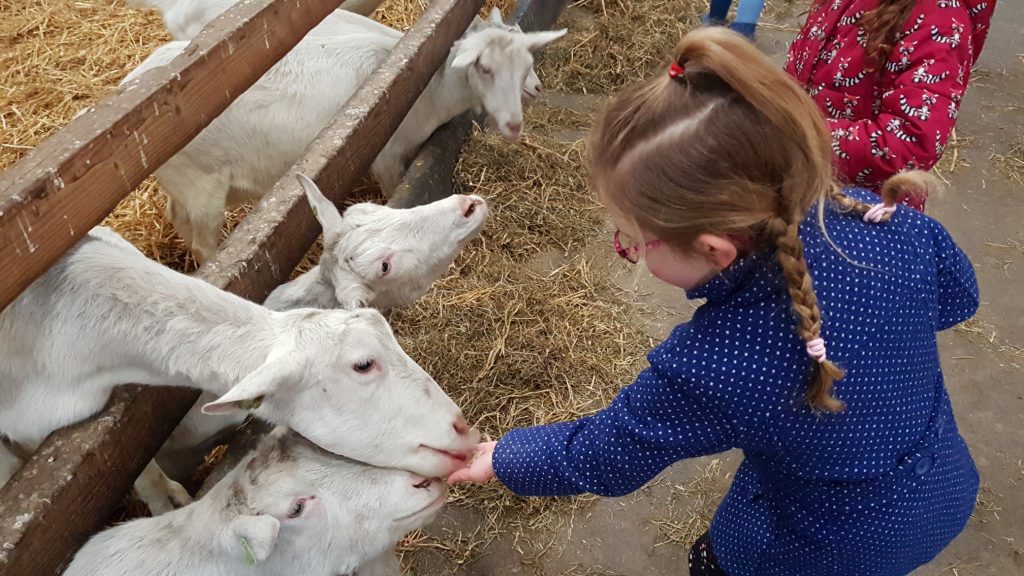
875	490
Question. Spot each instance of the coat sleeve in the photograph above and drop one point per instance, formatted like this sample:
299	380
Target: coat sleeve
651	424
958	296
914	118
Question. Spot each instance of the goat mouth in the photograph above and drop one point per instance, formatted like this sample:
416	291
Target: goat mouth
434	505
458	456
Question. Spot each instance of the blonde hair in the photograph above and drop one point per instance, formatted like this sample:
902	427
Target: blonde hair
731	147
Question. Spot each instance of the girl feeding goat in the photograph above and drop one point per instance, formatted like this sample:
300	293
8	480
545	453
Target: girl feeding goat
718	175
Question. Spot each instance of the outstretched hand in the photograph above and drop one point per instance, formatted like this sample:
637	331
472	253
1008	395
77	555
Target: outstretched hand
480	468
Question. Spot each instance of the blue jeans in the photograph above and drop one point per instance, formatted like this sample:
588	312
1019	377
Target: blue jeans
747	12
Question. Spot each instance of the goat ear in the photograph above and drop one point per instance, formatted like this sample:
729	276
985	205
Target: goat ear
466	52
477	24
537	40
253	537
496	16
248	394
324	210
354	295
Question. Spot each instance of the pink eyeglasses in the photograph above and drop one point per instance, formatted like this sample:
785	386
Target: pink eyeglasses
632	253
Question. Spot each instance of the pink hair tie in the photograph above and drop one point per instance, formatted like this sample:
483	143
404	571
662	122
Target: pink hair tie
675	70
877	212
816	349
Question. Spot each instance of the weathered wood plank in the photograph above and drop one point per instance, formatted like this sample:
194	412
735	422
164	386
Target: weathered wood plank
67	185
64	493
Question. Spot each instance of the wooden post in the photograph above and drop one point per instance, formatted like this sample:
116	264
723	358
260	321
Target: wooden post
66	491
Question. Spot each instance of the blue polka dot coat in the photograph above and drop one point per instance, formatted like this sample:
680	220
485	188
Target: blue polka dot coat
878	489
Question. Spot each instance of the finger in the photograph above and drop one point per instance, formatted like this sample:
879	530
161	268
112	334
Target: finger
460	476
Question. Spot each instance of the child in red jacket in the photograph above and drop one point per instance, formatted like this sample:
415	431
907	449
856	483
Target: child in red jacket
889	76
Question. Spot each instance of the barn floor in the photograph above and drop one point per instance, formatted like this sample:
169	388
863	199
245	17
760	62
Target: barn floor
649	533
540	321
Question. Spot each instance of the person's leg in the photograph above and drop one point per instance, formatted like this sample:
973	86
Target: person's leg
702	560
748	12
717	11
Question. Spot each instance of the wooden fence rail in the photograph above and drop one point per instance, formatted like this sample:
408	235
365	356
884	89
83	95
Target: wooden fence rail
51	198
68	488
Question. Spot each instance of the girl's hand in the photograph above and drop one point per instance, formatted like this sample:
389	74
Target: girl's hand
480	468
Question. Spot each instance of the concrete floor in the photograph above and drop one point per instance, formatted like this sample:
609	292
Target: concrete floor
984	366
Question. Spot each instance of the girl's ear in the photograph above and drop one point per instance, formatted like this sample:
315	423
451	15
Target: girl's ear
719	251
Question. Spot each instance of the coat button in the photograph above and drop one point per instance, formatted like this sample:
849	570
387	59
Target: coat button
923	466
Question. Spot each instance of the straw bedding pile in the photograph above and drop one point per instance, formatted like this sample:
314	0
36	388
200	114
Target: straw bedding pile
513	344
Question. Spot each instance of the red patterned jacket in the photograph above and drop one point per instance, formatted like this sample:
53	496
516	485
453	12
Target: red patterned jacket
900	117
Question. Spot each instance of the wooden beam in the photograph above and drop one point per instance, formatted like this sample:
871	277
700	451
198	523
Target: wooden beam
66	492
52	197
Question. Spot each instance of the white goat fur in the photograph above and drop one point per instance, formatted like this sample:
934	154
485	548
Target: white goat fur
106	315
351	517
240	155
379	256
375	256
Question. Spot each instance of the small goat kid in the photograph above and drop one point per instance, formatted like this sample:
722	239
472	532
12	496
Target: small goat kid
239	156
379	256
290	508
106	315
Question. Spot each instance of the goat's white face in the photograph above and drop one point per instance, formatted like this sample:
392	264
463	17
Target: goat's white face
388	257
344	383
499	62
331	513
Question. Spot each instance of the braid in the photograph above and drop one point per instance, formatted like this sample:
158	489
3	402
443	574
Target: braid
883	25
913	183
790	253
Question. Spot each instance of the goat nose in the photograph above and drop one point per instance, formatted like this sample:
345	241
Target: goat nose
466	206
461	426
514	127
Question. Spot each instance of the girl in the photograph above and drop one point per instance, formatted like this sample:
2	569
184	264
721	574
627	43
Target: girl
889	76
719	175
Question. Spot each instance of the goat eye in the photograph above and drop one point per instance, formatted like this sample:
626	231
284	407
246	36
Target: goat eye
363	367
483	69
298	507
385	267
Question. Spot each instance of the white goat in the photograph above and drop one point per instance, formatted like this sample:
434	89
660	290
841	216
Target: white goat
379	256
240	155
106	315
185	18
290	508
375	256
